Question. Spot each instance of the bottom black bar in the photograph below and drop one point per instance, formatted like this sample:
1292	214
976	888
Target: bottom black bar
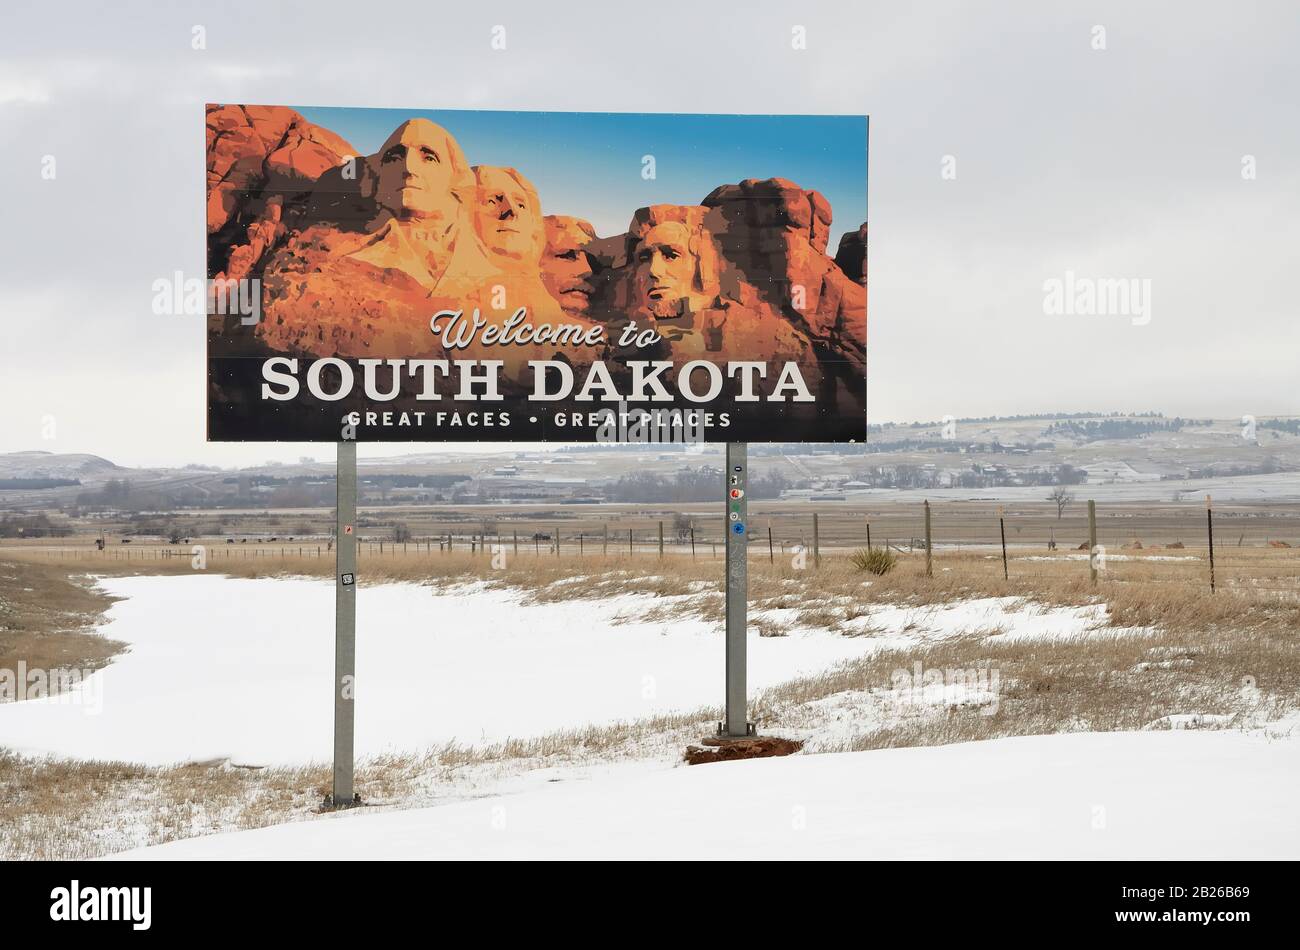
983	900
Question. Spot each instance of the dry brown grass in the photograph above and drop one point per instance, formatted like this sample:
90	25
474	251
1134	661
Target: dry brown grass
48	617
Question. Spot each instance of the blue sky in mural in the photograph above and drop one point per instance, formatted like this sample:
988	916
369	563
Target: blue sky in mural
589	164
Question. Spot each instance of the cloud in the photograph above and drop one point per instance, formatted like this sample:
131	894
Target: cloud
19	90
1124	163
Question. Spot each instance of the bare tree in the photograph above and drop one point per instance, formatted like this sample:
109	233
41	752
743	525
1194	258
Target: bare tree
1063	497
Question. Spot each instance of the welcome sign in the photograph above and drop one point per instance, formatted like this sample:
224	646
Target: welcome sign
515	276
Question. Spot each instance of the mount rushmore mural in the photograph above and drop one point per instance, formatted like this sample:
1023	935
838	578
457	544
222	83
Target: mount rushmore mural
419	295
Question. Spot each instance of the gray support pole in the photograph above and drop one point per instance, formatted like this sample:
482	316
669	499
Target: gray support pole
737	586
345	620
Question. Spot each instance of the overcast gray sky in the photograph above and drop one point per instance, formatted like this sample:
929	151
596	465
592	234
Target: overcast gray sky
1122	162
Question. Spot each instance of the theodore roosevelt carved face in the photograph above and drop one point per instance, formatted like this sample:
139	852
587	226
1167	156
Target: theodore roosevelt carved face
567	267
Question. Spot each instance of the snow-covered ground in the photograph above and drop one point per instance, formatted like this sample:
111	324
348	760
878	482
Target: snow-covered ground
242	668
1278	487
1171	794
1110	557
225	667
232	668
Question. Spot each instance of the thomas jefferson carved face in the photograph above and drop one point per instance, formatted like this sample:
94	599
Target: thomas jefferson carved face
508	216
416	170
567	268
665	269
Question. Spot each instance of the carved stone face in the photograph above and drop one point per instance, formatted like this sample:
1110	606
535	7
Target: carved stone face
415	172
665	269
567	268
508	215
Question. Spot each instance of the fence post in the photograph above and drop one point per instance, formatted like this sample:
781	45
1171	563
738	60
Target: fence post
629	542
771	555
1092	540
661	539
929	554
1209	527
516	540
1002	529
868	534
817	544
692	542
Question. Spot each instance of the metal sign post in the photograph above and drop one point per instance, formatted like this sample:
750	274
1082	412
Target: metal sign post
345	621
737	589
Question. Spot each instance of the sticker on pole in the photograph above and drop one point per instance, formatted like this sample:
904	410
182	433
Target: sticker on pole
737	493
738	528
347	579
347	529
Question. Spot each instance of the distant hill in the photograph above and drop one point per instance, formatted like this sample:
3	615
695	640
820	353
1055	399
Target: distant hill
1145	454
54	465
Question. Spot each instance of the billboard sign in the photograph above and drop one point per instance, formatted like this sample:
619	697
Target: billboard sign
517	276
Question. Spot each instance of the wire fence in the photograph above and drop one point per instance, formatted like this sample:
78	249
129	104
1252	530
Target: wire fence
1254	548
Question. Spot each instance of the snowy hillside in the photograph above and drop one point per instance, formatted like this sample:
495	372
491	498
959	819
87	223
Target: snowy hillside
1115	795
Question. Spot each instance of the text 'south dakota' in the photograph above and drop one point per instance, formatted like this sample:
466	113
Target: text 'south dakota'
652	381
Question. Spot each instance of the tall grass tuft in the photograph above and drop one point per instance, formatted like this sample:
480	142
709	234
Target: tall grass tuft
876	560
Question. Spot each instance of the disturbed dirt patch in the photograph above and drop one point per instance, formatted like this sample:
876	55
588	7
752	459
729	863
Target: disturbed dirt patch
727	750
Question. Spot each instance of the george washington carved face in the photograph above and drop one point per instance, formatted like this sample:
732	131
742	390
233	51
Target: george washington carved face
508	216
567	268
417	171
